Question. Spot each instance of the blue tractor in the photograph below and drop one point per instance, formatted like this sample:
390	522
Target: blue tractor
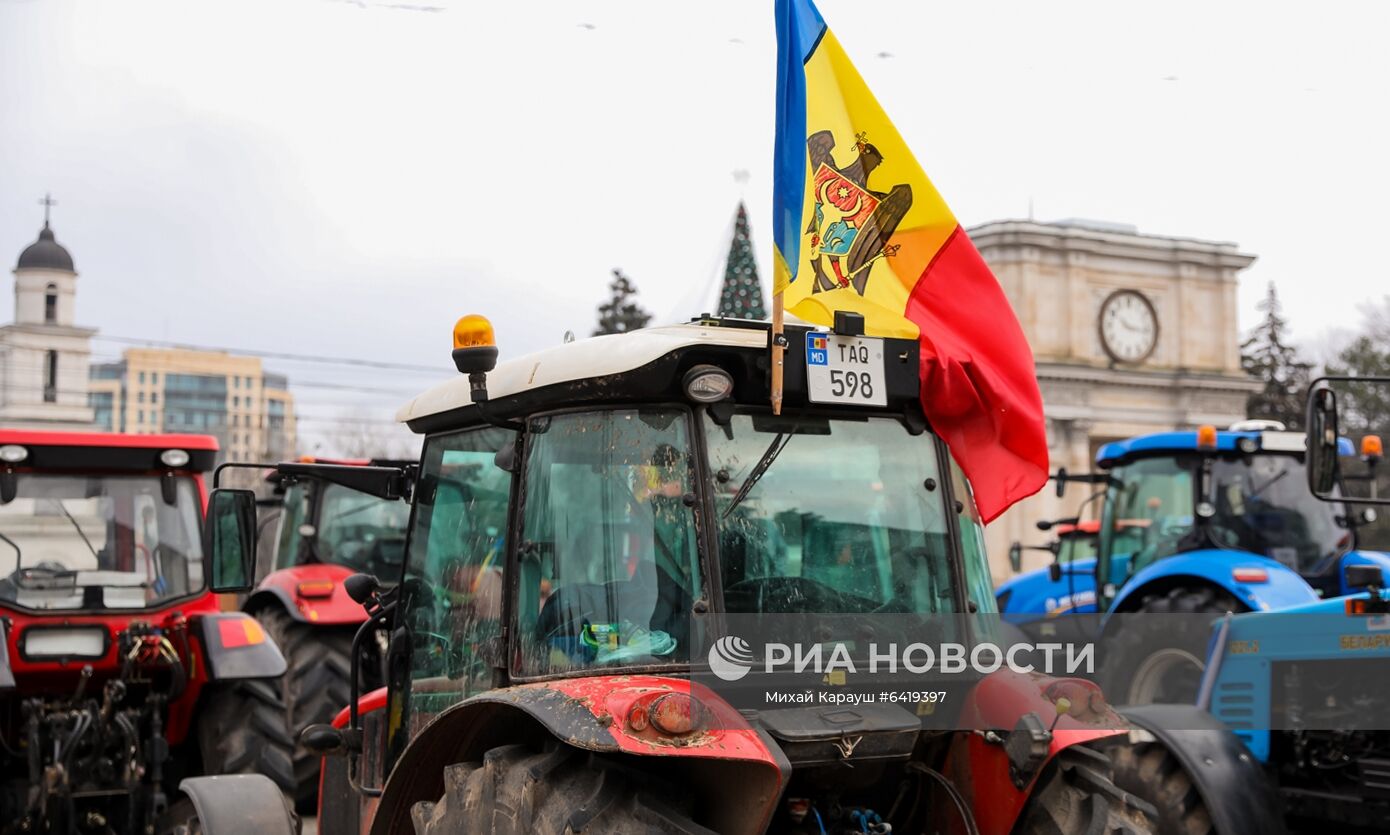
1307	690
1192	522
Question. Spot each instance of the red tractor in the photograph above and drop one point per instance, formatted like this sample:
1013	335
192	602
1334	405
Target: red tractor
119	698
593	526
322	533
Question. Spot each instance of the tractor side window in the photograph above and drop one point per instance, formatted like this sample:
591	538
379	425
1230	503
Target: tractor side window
291	519
452	597
607	561
979	584
1152	497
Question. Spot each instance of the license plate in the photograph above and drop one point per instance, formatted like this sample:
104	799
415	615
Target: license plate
845	369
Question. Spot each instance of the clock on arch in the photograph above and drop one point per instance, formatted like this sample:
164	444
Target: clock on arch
1128	326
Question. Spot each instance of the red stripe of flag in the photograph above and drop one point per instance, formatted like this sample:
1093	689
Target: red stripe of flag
979	383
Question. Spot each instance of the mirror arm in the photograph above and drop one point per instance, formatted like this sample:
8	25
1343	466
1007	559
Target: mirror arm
375	618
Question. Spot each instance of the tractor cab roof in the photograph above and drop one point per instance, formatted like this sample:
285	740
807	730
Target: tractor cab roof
276	477
1246	441
92	451
643	366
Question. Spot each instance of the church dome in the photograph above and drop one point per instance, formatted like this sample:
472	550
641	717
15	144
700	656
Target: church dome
45	254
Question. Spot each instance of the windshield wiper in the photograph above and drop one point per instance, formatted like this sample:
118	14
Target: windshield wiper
774	449
1269	484
77	527
353	511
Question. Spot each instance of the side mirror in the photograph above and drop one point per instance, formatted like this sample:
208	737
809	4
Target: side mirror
1364	576
361	587
1016	557
229	540
1054	572
1061	478
1322	441
328	741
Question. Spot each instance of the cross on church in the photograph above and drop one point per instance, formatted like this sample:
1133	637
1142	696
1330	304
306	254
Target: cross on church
47	202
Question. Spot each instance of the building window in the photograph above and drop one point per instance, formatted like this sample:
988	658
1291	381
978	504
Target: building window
102	403
140	397
50	378
50	305
140	416
154	397
142	378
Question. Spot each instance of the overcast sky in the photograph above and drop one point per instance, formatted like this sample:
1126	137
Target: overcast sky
346	178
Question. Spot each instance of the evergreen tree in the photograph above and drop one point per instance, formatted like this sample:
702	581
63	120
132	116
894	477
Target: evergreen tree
742	294
1268	357
1364	409
621	313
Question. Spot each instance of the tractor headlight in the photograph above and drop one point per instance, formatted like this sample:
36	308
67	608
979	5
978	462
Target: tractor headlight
13	453
174	458
708	384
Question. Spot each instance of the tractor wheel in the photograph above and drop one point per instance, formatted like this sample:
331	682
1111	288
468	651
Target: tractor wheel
1076	796
1149	770
517	790
314	688
241	730
1160	660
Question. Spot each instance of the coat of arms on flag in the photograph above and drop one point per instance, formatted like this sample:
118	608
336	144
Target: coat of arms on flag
850	224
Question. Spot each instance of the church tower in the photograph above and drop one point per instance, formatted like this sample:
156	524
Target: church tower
43	355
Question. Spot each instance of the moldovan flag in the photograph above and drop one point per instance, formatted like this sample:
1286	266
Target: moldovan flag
859	227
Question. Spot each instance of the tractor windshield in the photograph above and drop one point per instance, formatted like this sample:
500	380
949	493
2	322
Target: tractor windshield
361	531
1261	505
90	542
829	515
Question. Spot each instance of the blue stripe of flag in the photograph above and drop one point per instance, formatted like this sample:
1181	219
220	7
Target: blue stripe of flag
799	31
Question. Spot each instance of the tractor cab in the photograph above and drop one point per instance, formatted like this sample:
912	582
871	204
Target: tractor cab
587	522
94	528
319	522
1232	495
124	687
317	530
1193	524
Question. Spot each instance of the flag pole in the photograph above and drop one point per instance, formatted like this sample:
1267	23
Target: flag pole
779	348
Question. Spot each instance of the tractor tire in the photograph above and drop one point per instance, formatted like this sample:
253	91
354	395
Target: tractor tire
517	790
1149	770
1076	796
314	688
241	730
1160	660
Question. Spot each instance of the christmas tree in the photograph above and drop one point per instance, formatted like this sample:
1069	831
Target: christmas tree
742	294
